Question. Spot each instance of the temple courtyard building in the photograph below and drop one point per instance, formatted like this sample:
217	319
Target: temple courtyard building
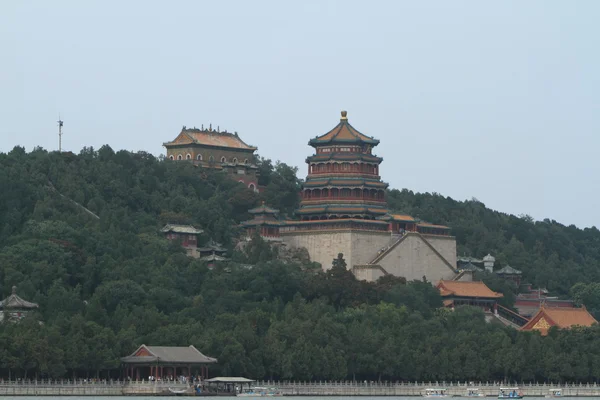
222	150
562	318
476	294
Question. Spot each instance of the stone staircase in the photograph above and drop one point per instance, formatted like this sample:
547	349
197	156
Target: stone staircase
395	240
510	318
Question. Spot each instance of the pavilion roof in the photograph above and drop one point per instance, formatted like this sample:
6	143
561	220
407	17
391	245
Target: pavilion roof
465	259
212	246
466	289
263	209
470	267
15	302
547	317
189	229
168	354
214	257
209	137
508	270
343	133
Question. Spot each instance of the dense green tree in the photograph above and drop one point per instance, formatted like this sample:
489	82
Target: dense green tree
79	235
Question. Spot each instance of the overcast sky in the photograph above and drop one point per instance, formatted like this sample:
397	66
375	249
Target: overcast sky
494	100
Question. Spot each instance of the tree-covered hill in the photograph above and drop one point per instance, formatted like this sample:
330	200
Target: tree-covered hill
79	236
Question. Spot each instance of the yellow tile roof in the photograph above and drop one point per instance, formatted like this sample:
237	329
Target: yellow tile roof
466	289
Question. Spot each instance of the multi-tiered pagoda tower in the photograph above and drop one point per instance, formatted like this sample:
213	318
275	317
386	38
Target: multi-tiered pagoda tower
343	179
344	210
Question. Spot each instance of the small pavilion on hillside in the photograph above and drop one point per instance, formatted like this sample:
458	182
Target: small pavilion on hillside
166	362
15	308
473	293
510	274
563	318
265	222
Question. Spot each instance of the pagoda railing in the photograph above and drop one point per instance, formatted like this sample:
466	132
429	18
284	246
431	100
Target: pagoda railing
353	198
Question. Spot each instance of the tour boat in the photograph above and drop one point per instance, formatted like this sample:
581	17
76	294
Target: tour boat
259	392
474	392
435	393
555	393
510	393
178	392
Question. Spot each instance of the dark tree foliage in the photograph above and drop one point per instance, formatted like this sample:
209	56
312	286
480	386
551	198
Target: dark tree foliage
79	235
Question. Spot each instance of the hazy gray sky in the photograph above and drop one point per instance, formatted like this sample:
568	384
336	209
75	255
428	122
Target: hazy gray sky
494	100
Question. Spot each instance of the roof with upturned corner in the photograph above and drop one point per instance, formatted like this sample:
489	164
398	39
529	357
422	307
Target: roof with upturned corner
343	133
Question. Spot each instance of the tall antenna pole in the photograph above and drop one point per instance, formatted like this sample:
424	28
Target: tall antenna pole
60	125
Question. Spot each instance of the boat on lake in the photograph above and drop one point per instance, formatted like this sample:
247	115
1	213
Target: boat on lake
554	393
259	392
510	393
435	392
474	392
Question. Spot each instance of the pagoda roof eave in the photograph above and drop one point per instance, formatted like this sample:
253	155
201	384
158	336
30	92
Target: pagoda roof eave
343	133
316	142
343	157
333	221
258	223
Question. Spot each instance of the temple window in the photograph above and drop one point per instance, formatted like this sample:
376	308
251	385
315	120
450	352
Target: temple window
199	157
223	159
211	158
171	158
235	160
246	161
188	157
179	157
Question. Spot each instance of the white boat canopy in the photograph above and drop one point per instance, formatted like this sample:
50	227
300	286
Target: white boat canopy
230	379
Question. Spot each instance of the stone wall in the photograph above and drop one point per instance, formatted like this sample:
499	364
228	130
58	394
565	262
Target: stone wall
323	246
413	259
446	245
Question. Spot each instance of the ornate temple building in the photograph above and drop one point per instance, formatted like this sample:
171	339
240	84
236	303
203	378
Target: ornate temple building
187	234
165	363
563	318
265	223
477	294
210	148
344	210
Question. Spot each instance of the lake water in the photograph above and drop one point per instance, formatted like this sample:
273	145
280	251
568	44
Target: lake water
232	397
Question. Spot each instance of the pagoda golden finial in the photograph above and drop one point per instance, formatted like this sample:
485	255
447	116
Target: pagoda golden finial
344	115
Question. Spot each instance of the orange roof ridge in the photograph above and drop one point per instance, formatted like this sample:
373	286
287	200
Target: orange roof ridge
466	289
546	317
